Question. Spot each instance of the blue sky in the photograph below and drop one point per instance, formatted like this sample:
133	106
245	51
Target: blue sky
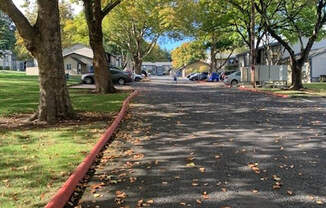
170	44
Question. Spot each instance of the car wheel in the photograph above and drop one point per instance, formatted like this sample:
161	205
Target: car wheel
234	83
88	80
137	79
121	81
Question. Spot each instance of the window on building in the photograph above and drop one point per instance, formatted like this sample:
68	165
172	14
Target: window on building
68	67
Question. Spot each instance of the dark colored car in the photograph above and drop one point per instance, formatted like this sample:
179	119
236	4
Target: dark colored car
118	76
199	76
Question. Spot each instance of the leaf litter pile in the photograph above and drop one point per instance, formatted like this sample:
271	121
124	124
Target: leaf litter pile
107	176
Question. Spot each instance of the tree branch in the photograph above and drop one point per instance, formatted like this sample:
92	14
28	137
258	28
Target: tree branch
109	7
24	27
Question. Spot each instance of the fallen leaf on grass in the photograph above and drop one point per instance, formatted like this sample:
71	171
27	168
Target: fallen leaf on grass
98	195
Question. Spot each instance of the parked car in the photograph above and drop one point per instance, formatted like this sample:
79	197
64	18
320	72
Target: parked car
214	77
189	75
233	79
199	76
137	77
118	76
226	73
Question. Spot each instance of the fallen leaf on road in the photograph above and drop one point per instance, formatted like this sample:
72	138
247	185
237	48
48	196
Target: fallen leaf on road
191	164
205	195
319	202
120	194
138	156
202	170
290	192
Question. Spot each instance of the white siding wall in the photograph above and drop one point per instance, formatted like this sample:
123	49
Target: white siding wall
318	65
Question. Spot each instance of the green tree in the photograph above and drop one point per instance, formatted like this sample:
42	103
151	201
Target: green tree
7	33
188	53
158	55
135	26
289	22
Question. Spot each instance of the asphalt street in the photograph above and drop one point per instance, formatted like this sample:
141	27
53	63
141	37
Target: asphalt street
196	145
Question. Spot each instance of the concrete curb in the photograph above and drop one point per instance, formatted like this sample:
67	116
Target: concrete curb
264	92
63	194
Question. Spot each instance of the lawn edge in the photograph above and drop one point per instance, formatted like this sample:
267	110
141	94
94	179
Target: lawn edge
63	194
242	88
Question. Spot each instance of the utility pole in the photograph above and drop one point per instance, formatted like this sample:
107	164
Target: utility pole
252	43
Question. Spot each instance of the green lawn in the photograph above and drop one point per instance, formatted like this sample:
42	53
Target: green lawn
35	162
296	93
316	86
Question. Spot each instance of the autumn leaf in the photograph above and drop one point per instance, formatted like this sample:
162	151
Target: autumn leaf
191	164
202	170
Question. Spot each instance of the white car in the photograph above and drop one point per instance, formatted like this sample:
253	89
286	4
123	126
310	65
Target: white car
233	79
137	77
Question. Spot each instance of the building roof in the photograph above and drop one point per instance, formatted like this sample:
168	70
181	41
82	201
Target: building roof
313	53
157	63
79	49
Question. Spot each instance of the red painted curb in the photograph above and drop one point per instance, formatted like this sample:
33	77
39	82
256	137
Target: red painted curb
263	92
63	194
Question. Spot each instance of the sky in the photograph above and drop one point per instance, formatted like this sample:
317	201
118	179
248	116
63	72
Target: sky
165	43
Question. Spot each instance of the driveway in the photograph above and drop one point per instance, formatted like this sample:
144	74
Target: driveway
193	145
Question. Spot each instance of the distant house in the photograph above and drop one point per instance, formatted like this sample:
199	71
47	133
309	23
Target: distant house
78	59
8	61
225	61
157	68
277	55
198	66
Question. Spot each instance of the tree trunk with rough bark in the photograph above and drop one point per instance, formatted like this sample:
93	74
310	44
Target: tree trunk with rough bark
103	77
296	68
138	64
213	64
43	40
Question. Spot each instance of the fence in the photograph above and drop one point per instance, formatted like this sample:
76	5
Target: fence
264	73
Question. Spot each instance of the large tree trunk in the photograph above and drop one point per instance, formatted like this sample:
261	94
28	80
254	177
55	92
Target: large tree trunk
296	68
43	40
213	65
103	75
138	64
54	97
94	17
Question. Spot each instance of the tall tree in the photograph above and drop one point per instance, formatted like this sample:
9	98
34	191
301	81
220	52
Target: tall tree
136	27
214	30
95	12
290	22
7	32
188	53
43	40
